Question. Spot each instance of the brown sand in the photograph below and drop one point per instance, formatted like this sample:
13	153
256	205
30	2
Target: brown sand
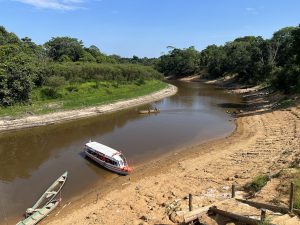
57	117
264	142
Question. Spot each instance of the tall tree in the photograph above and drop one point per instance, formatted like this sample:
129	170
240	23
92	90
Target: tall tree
63	48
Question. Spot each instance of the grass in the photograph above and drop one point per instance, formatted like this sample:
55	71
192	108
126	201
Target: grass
82	95
296	180
257	183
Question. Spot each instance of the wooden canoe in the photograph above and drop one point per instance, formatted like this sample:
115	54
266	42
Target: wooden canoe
49	194
148	111
40	214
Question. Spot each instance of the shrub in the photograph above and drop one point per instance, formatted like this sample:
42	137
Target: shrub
50	93
72	89
140	81
55	81
257	183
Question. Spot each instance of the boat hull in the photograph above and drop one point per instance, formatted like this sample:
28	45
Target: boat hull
40	214
148	111
49	194
108	166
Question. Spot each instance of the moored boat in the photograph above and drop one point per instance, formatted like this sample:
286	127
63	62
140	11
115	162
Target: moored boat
49	194
107	157
40	214
149	111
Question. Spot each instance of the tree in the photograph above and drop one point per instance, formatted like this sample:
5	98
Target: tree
17	72
60	47
296	43
180	62
8	38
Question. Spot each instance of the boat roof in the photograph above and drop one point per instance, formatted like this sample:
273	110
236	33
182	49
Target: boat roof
110	152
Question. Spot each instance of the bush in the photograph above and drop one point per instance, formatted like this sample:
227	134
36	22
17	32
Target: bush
140	82
72	89
50	93
257	183
55	82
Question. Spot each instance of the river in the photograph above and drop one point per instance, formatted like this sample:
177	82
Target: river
31	159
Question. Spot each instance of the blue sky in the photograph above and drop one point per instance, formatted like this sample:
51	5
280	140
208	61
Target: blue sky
147	27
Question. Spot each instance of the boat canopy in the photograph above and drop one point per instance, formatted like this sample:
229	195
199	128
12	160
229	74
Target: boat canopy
105	150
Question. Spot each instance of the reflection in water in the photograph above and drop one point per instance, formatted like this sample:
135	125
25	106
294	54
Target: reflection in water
31	159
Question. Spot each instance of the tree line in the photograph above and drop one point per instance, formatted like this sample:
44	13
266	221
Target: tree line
253	60
25	65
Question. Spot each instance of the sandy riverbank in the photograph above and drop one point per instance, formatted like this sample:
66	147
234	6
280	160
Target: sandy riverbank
258	146
52	118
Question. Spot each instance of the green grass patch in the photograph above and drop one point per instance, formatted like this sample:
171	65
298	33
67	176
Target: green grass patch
76	96
286	103
296	180
257	183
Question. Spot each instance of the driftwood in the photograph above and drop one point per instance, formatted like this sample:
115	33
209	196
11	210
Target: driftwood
233	216
274	208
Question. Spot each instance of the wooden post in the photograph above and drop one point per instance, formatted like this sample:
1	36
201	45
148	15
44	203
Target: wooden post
233	191
263	215
190	202
291	203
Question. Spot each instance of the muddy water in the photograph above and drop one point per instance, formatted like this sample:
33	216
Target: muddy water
31	159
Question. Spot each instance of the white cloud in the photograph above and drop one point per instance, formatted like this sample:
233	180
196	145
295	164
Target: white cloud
54	4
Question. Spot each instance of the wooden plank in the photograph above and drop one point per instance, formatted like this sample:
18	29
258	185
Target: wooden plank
190	202
274	208
292	197
233	191
235	217
195	214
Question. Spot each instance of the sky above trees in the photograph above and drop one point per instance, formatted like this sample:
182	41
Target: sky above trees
147	27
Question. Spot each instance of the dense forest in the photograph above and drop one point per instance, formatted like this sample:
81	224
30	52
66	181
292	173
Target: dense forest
25	66
253	60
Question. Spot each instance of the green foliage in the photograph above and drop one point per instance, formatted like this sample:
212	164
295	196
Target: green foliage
297	188
49	93
85	95
180	62
17	73
257	183
25	66
8	38
296	43
94	71
55	81
61	47
287	79
72	89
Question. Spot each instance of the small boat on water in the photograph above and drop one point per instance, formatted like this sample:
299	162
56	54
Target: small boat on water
49	194
149	111
107	157
40	214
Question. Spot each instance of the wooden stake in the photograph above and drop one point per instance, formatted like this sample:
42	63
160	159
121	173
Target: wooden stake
292	195
190	202
263	215
233	191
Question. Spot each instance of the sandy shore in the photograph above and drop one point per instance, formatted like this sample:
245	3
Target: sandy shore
265	141
41	120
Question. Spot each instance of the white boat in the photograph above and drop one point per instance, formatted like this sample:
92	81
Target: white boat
107	157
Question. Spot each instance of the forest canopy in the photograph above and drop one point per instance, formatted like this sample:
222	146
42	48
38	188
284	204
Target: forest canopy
253	60
25	65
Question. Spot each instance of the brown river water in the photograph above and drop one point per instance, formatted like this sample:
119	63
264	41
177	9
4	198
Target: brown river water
31	159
